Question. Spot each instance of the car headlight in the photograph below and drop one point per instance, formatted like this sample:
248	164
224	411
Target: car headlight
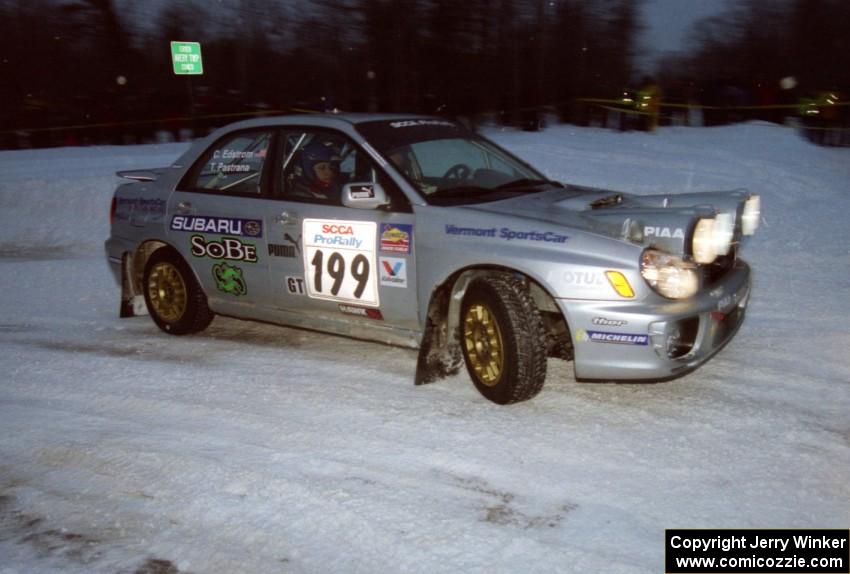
751	215
713	237
724	232
704	245
669	275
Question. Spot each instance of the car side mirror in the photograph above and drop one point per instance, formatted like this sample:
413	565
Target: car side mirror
364	195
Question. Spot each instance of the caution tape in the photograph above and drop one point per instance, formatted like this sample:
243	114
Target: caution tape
604	103
704	107
168	120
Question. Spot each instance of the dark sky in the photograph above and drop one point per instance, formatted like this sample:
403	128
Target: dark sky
667	22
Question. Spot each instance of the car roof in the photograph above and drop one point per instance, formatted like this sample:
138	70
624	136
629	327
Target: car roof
321	120
343	122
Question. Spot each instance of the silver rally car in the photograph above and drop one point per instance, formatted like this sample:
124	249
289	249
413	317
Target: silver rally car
416	231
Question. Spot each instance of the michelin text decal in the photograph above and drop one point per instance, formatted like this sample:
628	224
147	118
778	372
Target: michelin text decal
615	338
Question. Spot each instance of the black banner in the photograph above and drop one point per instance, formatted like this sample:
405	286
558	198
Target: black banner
759	551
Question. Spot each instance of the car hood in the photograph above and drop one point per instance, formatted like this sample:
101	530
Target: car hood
662	221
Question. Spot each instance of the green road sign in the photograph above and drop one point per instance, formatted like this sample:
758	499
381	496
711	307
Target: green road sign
186	57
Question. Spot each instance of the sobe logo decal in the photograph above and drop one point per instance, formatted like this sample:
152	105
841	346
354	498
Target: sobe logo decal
229	279
227	248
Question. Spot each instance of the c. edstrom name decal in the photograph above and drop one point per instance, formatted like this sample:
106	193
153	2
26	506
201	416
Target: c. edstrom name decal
506	233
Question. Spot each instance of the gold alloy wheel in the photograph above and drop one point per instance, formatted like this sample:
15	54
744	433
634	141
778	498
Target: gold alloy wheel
483	342
167	292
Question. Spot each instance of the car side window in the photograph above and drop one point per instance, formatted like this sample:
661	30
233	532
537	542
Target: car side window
317	164
234	165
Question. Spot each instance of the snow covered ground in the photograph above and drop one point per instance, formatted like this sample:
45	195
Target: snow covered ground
255	448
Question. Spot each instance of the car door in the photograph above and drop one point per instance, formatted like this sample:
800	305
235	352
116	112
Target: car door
218	220
333	266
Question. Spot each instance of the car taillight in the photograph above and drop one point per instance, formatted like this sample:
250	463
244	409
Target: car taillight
112	209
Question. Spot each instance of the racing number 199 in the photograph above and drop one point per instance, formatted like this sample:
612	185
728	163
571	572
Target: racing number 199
336	269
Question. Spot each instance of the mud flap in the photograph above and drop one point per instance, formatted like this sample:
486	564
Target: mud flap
132	305
439	354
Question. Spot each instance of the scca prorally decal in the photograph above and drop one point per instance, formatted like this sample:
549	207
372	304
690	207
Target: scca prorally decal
229	279
218	225
228	248
335	234
507	234
339	261
614	338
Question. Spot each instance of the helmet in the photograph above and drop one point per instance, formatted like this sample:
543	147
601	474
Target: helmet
313	153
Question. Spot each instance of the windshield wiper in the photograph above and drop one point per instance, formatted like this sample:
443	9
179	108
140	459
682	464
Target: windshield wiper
524	182
460	190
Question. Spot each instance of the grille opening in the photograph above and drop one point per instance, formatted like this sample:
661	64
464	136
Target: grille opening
681	337
714	272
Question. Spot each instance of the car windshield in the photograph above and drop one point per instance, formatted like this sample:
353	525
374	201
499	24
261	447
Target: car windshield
449	164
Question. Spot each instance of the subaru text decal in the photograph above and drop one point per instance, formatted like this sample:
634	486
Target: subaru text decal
218	225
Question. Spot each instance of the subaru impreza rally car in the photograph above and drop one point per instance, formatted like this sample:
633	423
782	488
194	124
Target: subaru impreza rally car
416	231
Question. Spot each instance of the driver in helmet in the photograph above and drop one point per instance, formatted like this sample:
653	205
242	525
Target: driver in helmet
317	174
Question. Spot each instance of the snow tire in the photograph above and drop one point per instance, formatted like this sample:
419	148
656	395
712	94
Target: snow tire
176	301
503	338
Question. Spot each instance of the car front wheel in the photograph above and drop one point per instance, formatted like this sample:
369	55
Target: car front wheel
175	300
503	338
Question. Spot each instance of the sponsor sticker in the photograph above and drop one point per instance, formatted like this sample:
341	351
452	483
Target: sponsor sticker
229	279
361	311
583	278
291	249
396	237
605	322
675	232
295	285
507	234
340	260
227	248
277	250
393	272
416	123
218	225
362	192
583	336
138	205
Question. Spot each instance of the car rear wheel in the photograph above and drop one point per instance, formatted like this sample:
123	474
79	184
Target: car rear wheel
175	300
503	339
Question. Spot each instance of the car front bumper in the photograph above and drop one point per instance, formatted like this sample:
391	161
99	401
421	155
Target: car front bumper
660	340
